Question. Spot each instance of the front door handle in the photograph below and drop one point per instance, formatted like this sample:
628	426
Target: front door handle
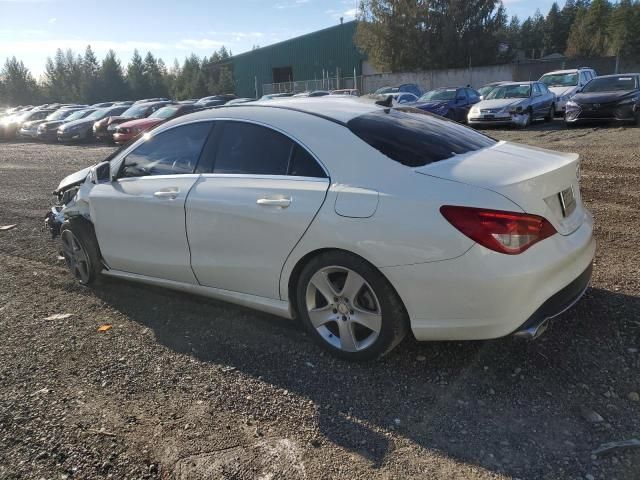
171	193
274	202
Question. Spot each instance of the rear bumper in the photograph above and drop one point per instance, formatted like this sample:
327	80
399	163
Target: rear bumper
555	306
484	294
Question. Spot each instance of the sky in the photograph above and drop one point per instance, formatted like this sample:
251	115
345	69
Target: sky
33	29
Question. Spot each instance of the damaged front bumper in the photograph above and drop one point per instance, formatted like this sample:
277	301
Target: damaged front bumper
53	221
71	200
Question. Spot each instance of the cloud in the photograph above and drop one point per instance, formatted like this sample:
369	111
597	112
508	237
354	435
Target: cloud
198	44
349	14
291	4
52	20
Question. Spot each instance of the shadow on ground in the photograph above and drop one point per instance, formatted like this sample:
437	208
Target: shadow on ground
505	405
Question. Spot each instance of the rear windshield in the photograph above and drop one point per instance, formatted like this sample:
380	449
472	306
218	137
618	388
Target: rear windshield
416	138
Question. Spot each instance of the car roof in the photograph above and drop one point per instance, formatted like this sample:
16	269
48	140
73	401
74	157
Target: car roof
619	75
528	82
570	70
336	109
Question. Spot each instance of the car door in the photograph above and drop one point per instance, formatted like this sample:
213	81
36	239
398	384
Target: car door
462	105
538	101
549	97
139	217
245	216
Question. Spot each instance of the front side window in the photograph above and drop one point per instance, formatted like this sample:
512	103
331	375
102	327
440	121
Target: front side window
415	138
246	148
175	151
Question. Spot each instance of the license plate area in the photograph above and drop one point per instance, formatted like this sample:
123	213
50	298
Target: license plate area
567	201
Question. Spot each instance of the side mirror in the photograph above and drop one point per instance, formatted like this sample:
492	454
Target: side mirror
101	173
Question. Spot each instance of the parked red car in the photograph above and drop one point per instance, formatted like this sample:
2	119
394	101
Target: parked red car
105	128
131	129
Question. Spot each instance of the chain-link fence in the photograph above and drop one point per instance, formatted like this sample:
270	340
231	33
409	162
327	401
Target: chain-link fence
329	83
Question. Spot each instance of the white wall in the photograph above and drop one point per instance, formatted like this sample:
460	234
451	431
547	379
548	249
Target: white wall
453	77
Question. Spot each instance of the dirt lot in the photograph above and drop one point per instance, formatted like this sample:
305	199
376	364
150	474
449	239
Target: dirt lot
188	388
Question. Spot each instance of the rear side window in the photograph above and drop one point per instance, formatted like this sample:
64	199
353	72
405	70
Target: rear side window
246	148
416	138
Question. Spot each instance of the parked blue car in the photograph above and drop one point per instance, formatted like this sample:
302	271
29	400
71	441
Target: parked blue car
453	103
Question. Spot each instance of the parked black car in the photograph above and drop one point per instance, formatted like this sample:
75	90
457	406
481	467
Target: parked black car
47	131
610	97
82	129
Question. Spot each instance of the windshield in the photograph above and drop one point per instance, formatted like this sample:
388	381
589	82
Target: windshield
442	94
59	115
510	91
165	112
415	138
77	115
484	91
135	111
611	84
99	114
560	80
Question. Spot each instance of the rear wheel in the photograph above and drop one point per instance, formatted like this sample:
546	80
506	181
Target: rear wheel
80	250
349	308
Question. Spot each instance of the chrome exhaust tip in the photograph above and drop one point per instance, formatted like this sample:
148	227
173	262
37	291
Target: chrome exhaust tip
533	331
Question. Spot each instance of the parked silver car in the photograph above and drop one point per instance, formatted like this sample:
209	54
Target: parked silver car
514	103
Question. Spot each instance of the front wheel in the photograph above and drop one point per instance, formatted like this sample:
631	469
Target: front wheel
349	308
80	250
550	114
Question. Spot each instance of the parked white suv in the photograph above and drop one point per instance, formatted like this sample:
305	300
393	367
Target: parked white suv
566	83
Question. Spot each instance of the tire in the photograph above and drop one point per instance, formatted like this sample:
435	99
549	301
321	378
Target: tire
551	114
79	247
341	324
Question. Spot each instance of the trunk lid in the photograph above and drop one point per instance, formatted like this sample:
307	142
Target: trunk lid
539	181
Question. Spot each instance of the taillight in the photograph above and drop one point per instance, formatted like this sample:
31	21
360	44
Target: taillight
503	232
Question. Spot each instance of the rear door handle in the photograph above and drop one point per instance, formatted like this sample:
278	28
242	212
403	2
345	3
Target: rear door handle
274	202
170	193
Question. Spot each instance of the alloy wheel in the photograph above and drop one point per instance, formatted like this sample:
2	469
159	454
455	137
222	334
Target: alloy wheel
343	308
75	256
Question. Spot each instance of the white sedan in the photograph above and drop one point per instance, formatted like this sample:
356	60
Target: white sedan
365	222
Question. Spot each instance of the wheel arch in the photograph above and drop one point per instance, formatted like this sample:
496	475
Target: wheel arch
305	259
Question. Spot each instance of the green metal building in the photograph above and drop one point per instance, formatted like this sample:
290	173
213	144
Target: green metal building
330	53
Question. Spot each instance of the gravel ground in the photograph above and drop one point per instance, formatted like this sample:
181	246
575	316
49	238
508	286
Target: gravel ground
188	388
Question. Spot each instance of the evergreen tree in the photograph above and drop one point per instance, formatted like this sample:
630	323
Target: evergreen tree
554	40
90	82
156	85
624	29
136	77
588	35
112	82
18	85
